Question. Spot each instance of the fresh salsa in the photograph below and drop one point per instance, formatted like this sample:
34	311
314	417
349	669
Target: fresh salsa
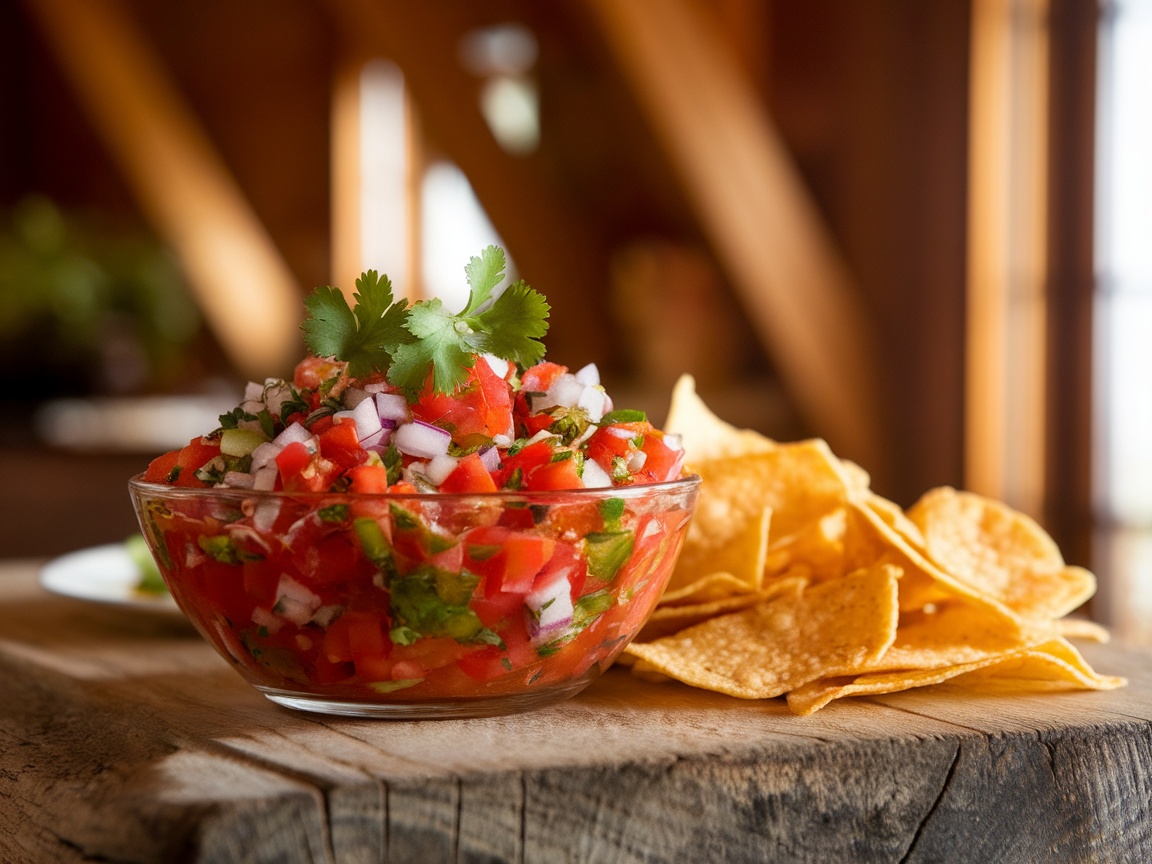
342	551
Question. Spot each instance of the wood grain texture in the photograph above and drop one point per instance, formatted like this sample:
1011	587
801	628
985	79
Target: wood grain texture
124	738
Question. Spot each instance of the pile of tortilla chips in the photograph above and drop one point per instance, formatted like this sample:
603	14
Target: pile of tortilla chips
797	579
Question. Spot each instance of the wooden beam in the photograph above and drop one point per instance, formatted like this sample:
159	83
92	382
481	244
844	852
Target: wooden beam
246	291
1007	258
756	212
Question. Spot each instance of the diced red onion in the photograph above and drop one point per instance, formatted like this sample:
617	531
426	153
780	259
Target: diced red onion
594	476
489	458
391	406
439	467
421	439
377	441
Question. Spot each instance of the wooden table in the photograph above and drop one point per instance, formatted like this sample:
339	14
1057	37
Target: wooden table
124	738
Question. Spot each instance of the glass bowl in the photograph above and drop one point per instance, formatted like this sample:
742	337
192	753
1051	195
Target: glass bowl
421	605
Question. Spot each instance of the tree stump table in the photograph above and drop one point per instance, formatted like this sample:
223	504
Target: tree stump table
124	738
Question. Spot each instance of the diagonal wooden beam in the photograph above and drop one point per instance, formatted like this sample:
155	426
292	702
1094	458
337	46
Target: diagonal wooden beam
755	210
246	291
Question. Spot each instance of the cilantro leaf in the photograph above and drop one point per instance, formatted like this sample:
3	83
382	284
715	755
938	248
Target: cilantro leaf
513	326
366	336
412	342
509	325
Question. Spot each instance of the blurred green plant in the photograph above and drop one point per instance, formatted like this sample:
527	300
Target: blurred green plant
88	304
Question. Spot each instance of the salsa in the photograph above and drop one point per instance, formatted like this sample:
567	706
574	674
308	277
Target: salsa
349	535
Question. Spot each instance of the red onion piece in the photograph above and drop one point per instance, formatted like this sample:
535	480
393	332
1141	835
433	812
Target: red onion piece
489	458
391	406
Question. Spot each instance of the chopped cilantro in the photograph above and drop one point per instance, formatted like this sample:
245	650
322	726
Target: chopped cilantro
366	336
409	342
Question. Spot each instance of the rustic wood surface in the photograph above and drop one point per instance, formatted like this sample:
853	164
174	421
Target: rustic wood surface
123	737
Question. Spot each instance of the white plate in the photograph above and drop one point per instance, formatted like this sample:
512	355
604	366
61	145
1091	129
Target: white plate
102	574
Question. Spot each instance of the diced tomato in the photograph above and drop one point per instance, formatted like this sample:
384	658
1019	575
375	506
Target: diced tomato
469	475
661	462
508	560
192	457
160	467
610	442
301	471
538	378
515	470
480	410
293	459
368	479
341	444
260	580
556	475
312	371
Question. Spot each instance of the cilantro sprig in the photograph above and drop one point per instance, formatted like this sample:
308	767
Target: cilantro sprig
407	342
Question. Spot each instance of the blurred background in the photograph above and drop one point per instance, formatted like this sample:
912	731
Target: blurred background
918	230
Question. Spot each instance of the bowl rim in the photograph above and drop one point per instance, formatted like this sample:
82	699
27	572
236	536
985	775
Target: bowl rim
688	483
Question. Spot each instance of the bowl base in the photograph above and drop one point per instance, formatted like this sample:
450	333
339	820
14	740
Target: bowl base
431	709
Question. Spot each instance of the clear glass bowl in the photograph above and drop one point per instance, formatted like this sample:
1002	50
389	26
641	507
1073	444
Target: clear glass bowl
417	606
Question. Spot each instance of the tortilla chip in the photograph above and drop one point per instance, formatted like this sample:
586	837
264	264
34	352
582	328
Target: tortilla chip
780	644
707	589
729	540
1000	553
1050	666
704	435
669	619
819	547
1082	628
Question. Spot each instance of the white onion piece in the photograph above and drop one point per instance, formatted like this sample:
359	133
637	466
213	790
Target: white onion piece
391	406
489	458
367	420
505	440
542	435
636	461
421	439
253	392
593	400
589	376
276	393
673	442
264	479
295	432
564	393
294	601
439	467
498	365
551	606
263	454
378	387
263	618
594	476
